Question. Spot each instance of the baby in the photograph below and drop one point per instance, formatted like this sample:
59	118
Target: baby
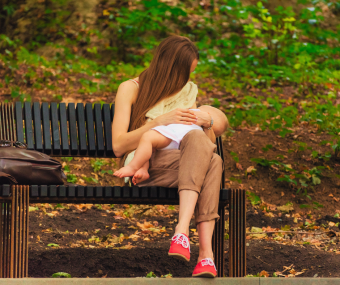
166	137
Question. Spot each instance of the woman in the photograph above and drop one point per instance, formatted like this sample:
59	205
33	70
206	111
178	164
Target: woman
195	169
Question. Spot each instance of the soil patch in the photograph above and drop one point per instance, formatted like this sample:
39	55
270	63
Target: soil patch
137	262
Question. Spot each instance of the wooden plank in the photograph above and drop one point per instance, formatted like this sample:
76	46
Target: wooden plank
28	125
63	128
71	191
62	191
55	128
81	128
80	191
37	127
19	122
117	192
46	125
52	191
43	191
99	129
108	192
107	130
91	140
89	191
99	192
126	192
72	122
135	192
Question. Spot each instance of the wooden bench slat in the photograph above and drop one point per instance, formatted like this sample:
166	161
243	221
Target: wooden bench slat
135	192
145	192
126	192
71	191
158	194
89	191
55	128
90	128
108	192
99	129
52	191
63	129
81	129
19	122
28	125
71	110
43	191
46	125
80	191
37	126
107	129
62	191
117	192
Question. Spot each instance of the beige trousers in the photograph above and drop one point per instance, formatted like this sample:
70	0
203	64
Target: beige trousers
193	167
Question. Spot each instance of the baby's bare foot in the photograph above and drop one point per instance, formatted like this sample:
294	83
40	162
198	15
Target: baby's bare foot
141	175
125	171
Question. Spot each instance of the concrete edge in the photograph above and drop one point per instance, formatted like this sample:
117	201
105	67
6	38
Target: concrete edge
171	281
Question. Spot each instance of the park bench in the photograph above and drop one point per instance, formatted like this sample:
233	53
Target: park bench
79	130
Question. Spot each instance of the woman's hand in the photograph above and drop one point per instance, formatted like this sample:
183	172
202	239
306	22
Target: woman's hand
203	119
178	116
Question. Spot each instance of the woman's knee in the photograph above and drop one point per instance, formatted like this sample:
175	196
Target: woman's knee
195	134
217	162
198	138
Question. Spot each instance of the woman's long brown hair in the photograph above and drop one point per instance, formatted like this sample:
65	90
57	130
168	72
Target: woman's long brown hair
168	73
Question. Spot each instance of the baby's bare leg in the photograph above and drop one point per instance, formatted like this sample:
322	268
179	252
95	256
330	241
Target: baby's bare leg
141	174
150	141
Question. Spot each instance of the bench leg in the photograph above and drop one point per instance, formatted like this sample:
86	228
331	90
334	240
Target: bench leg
218	242
14	215
237	233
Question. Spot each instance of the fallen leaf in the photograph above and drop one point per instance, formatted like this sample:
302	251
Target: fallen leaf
250	169
285	208
239	166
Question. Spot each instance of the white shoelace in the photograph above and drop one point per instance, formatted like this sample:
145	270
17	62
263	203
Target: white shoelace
182	240
208	261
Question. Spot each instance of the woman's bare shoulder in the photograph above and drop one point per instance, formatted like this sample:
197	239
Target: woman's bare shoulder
128	90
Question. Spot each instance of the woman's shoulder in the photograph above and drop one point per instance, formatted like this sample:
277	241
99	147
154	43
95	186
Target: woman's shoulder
130	82
128	89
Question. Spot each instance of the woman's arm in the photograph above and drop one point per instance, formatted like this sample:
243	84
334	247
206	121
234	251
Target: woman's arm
211	135
124	141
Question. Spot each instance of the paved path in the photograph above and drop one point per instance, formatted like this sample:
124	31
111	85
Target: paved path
171	281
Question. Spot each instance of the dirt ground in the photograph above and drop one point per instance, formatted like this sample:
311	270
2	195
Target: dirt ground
71	229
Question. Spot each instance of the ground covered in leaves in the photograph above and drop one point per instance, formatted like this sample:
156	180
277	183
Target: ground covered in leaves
119	241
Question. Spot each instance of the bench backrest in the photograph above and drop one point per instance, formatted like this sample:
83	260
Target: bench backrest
60	129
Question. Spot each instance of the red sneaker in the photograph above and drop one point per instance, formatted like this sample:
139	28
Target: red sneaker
205	268
180	247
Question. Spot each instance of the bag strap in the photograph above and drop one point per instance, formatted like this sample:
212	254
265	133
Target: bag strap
7	178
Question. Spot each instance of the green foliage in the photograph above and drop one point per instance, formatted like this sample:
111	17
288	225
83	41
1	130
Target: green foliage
71	178
61	275
234	156
151	275
253	198
97	164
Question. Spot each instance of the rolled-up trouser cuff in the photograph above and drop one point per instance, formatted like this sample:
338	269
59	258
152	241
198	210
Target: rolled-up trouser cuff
190	188
206	218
